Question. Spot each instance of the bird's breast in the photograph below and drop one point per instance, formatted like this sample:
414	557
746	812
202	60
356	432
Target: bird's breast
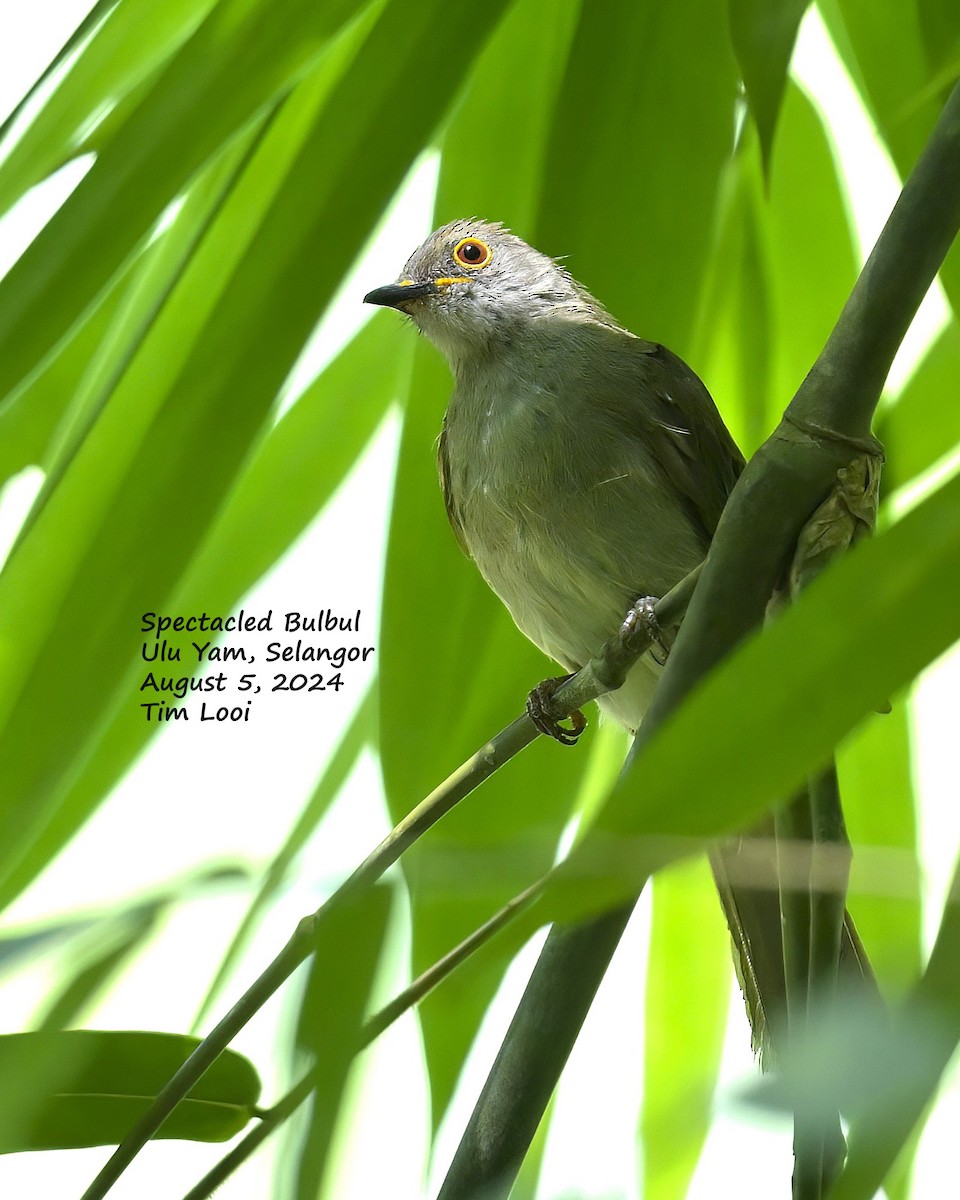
564	513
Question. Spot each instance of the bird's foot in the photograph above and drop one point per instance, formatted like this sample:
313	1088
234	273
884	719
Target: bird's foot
644	613
539	705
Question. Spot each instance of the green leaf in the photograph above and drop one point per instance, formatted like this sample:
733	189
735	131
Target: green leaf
134	38
115	945
155	276
16	945
29	419
927	1029
880	809
628	198
331	1018
940	28
846	1057
763	33
737	329
89	22
96	1084
688	990
782	267
508	186
880	1069
887	55
103	944
238	60
923	425
876	784
813	254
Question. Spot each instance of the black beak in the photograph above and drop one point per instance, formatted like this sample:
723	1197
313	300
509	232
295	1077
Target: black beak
395	295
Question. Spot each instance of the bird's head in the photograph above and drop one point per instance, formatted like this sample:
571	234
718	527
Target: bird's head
473	284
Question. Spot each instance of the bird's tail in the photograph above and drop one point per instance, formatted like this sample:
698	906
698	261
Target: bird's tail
745	869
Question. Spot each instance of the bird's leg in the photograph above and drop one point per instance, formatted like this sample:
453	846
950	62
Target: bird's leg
540	712
644	613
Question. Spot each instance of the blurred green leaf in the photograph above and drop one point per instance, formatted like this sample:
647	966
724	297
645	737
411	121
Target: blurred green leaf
360	735
331	1018
133	38
92	946
875	766
508	185
89	22
900	1082
156	275
940	28
107	944
237	60
16	945
688	990
923	424
115	946
783	264
813	254
888	58
736	333
763	34
846	1057
29	419
100	1082
879	806
636	154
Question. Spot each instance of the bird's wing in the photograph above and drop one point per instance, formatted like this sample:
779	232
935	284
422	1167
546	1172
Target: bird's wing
658	399
746	875
443	470
690	441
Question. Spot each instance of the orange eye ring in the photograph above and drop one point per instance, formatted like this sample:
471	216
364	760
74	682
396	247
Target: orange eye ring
472	253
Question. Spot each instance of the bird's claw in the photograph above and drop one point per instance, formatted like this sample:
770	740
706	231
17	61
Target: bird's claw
539	711
644	613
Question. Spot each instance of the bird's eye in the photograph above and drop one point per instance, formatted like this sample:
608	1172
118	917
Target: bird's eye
471	252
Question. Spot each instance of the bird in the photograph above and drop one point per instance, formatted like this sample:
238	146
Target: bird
583	468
